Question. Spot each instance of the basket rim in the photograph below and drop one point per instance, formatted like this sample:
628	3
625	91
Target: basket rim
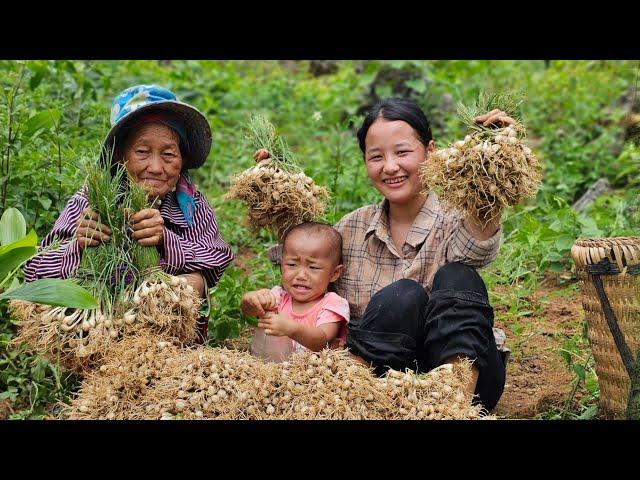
621	251
607	242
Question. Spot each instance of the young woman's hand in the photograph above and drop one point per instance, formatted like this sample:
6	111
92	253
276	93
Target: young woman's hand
277	324
495	117
258	302
261	154
89	231
148	227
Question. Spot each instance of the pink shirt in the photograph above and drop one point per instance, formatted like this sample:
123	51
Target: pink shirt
331	309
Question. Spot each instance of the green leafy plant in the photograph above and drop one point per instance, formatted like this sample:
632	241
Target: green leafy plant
53	291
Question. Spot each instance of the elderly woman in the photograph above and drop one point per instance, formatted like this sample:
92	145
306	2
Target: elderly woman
159	139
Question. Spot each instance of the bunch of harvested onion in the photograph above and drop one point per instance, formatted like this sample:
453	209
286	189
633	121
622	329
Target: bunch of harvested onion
116	273
488	171
75	338
276	191
166	306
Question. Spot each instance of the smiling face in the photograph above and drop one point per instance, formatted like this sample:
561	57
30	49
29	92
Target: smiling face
153	158
393	156
308	265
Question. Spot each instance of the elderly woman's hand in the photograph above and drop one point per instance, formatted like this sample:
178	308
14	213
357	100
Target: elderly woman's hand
261	154
89	231
148	227
495	117
196	280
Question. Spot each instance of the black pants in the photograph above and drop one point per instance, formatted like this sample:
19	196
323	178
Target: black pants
402	327
202	331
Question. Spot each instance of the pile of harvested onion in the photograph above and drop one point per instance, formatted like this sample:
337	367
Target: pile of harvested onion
152	378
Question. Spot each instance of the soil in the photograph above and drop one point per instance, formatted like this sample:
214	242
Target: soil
5	409
537	376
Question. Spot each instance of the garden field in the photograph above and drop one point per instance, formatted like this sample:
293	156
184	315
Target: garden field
582	120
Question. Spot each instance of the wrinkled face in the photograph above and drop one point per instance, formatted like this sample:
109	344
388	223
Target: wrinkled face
153	158
307	266
393	155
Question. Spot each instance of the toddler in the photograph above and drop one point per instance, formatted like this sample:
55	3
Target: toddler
301	309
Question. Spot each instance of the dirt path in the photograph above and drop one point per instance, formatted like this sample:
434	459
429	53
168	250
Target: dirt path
5	409
537	376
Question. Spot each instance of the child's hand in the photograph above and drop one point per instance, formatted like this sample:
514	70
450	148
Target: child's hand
258	302
277	324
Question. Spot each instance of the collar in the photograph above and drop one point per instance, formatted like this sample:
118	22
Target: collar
380	222
170	210
418	232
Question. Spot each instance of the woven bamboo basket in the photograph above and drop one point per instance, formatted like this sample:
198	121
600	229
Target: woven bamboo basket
617	262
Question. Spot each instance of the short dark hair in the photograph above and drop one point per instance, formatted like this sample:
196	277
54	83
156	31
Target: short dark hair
317	228
397	109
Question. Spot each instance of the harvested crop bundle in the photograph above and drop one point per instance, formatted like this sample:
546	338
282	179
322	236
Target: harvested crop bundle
134	294
166	306
276	191
79	339
75	338
161	302
142	380
117	389
488	171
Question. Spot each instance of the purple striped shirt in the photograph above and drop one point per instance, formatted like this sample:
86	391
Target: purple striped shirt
198	247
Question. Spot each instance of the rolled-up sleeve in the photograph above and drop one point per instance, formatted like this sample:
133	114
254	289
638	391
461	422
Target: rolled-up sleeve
198	247
463	247
61	262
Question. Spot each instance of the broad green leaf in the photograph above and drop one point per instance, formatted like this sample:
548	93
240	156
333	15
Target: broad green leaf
556	267
38	370
553	257
30	240
589	227
12	226
579	369
398	63
41	121
565	242
39	70
13	259
53	291
69	66
45	202
14	284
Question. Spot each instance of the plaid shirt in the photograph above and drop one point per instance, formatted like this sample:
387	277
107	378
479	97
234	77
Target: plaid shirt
372	260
